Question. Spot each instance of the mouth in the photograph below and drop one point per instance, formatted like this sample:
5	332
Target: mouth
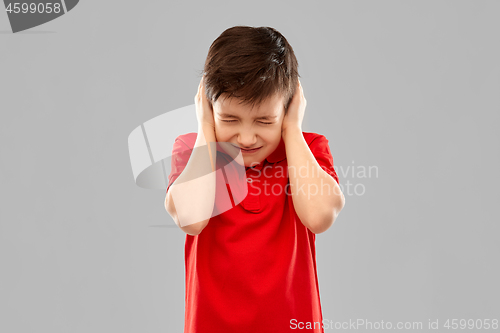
249	151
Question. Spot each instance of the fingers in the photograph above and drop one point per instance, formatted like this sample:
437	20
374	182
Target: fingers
301	90
206	102
200	90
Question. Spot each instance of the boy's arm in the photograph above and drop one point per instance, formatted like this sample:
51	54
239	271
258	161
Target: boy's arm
316	207
317	197
190	199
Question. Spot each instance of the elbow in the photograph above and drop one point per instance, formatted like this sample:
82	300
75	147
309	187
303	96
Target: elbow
325	221
193	229
342	200
321	225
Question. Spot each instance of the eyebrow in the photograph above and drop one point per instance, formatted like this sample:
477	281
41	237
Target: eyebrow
227	115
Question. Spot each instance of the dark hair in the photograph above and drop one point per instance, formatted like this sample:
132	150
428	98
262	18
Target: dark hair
251	64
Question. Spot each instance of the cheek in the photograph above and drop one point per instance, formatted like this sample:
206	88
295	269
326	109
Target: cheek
272	135
221	131
277	133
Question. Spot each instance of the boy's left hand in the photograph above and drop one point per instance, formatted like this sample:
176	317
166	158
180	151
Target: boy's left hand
296	111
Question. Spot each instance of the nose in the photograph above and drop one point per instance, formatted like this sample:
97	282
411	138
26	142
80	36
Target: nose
247	139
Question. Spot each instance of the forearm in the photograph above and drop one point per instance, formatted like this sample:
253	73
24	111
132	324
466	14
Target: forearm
316	196
193	192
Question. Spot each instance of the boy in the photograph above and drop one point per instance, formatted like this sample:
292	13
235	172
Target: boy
252	268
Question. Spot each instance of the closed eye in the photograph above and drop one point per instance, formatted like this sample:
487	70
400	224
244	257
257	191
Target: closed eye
230	121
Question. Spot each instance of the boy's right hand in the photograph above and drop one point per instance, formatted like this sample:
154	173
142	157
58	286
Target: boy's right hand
204	111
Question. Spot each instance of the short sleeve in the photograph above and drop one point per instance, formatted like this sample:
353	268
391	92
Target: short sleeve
180	157
321	151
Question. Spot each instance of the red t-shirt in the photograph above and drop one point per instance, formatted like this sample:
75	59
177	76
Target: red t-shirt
253	267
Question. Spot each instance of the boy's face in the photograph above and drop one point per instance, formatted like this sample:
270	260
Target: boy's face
258	130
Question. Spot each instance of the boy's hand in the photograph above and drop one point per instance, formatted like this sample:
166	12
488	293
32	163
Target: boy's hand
296	111
204	111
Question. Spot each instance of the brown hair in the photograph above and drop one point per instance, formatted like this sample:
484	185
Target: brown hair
251	64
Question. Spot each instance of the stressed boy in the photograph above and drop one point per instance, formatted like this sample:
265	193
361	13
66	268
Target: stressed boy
251	265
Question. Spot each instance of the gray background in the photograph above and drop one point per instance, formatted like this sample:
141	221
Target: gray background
410	87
